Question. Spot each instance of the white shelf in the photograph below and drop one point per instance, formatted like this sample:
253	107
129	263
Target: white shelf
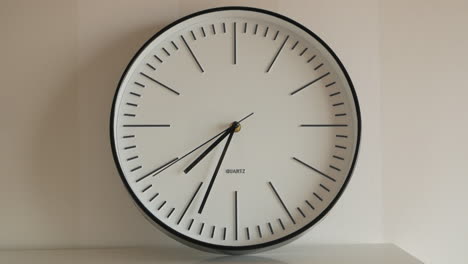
320	254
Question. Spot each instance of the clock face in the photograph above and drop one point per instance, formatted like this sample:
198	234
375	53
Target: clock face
235	129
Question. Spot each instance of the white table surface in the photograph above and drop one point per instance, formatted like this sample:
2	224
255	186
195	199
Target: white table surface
320	254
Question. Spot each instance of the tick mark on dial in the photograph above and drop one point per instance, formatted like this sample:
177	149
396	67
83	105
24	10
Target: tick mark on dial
295	44
330	84
282	203
311	58
193	35
342	114
129	136
337	104
247	233
135	94
256	28
135	169
318	197
335	168
170	213
212	231
132	104
318	66
338	157
235	215
224	27
162	205
314	169
203	32
310	83
234	36
130	115
213	29
153	197
174	45
300	211
277	54
324	187
259	230
341	147
266	32
146	188
148	125
190	224
159	59
324	125
130	147
310	205
201	228
276	35
281	223
161	84
151	66
189	203
132	158
224	234
342	136
333	94
302	53
139	84
193	55
245	27
271	228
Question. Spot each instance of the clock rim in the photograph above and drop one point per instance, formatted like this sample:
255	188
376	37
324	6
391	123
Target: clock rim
221	248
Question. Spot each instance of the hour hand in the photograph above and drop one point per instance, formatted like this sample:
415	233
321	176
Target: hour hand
211	147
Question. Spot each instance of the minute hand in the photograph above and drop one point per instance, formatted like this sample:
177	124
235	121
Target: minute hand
208	150
231	132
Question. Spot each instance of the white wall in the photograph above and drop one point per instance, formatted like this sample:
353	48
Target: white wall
424	48
61	61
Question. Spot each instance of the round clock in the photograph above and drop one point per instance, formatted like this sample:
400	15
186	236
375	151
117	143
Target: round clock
235	129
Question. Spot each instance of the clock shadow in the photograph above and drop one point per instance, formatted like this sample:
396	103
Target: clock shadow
242	259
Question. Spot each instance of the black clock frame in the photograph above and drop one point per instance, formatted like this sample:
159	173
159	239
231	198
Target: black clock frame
235	249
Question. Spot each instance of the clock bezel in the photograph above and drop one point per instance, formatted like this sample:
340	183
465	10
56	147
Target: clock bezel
235	249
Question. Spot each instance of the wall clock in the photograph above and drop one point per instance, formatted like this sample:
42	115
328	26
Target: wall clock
235	129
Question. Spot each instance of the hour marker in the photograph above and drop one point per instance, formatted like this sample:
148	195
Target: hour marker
131	115
129	136
311	58
153	197
341	147
255	30
335	168
245	27
266	32
136	168
201	228
338	157
132	104
318	197
277	53
310	83
302	53
189	203
139	84
247	232
235	215
151	66
342	114
310	205
159	59
190	224
300	211
193	55
337	104
330	84
324	187
163	85
203	32
224	27
170	213
146	188
342	136
234	37
295	44
130	147
318	66
174	45
155	170
135	94
148	125
324	125
162	205
213	29
193	35
259	230
314	169
224	234
281	223
212	231
333	94
282	203
276	35
132	158
271	228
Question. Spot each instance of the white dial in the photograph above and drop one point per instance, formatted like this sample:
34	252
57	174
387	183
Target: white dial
210	181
